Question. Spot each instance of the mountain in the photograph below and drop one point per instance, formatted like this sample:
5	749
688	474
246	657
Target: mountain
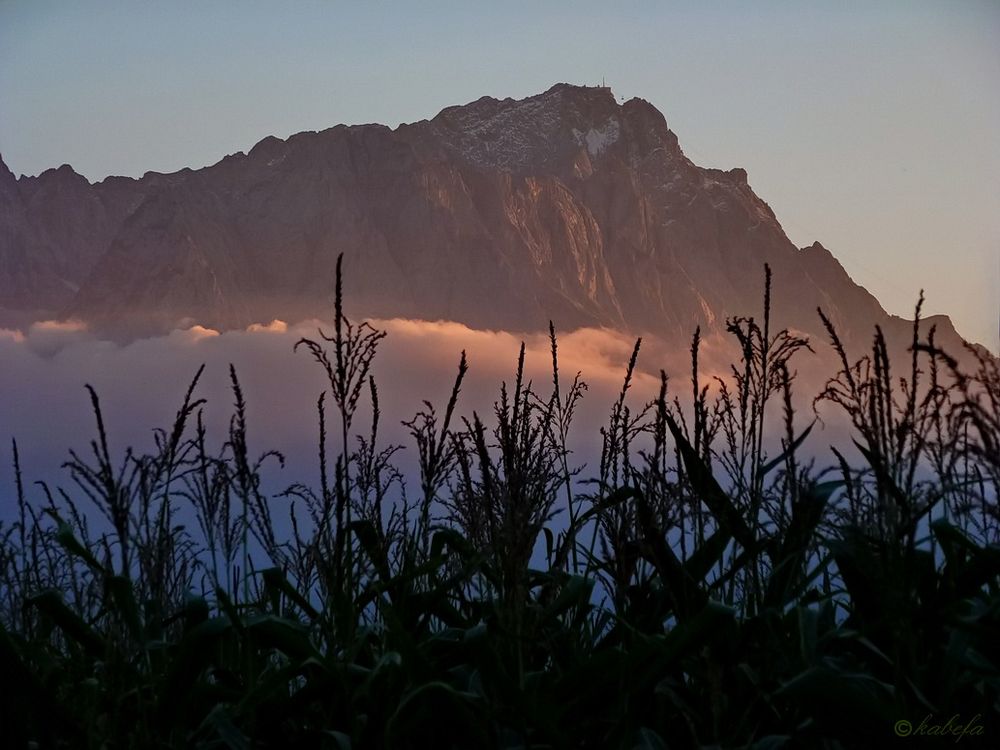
499	214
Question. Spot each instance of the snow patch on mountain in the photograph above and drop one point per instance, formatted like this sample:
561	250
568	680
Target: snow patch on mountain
599	139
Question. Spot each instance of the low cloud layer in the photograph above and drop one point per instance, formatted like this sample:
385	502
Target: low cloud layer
141	384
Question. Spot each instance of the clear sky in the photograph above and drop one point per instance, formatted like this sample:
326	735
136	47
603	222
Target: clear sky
873	127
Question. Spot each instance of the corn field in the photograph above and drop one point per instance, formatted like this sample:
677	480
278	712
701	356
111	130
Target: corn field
688	590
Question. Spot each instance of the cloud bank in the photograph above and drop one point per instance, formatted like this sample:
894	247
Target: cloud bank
141	385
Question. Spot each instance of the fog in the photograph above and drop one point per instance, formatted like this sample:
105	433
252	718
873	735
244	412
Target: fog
46	408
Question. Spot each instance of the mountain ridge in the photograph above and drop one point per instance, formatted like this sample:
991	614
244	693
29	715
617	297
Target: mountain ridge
566	205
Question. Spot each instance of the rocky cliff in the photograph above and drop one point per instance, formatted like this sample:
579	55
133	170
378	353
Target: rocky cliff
499	214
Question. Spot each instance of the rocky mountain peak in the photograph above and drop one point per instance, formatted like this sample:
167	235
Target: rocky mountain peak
8	191
62	177
548	129
6	175
568	205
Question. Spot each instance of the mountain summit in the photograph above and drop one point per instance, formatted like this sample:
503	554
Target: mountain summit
498	214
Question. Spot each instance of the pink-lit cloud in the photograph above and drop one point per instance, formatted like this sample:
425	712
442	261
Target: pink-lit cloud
141	384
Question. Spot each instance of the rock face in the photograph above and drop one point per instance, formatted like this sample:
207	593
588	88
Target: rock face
498	214
53	229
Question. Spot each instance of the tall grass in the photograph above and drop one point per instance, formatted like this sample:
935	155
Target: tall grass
694	589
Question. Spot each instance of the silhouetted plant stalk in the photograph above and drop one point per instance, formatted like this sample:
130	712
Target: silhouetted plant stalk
900	428
763	373
965	428
208	490
615	527
375	476
505	492
354	349
245	479
435	453
563	409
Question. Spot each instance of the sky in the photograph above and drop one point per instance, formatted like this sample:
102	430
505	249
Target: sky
872	127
